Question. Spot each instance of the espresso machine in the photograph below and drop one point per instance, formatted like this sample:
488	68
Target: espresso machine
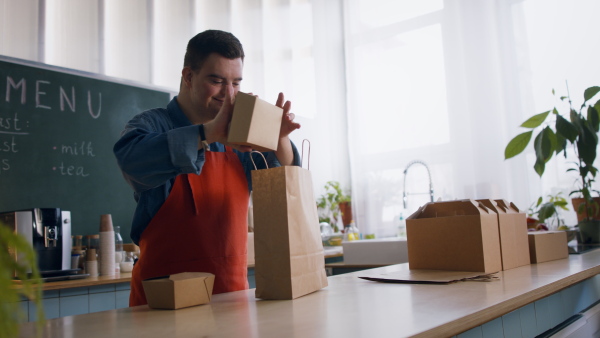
48	230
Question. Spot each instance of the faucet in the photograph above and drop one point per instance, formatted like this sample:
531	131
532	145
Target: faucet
405	194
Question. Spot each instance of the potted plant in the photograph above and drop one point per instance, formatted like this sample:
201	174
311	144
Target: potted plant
333	203
580	131
10	291
548	211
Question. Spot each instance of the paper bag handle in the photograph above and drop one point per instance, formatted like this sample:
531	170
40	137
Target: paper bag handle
302	158
261	154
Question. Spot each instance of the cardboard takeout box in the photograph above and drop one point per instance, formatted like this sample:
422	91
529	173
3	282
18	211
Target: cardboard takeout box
179	290
255	123
454	235
512	227
548	246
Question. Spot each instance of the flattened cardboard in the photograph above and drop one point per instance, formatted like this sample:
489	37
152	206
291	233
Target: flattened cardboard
512	227
547	246
428	277
255	123
179	290
455	236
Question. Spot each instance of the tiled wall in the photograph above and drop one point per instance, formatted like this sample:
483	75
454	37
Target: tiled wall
76	301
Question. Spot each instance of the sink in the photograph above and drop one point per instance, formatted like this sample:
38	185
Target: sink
384	251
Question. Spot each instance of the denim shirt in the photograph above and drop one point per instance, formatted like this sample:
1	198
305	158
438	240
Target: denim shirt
159	144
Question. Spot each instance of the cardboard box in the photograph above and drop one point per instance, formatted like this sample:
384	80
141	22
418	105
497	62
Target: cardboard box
179	290
454	235
255	123
512	227
383	251
547	246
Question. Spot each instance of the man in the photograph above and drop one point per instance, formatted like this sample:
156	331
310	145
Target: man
193	202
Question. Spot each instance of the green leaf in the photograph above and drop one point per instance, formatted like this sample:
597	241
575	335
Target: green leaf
539	167
545	143
593	119
517	144
590	92
561	145
566	129
535	121
586	145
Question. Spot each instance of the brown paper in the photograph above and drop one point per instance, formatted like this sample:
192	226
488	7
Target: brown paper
179	290
106	223
512	227
455	236
289	258
255	123
429	277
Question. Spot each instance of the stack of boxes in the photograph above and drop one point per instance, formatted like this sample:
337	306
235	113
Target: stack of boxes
477	235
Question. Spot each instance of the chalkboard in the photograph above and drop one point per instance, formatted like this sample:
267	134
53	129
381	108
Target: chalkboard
57	131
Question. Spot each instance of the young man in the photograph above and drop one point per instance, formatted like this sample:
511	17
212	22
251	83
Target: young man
192	203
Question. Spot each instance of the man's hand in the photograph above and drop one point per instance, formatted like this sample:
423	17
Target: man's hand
284	151
217	129
287	122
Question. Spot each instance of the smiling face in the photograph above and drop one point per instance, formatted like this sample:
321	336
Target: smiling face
207	86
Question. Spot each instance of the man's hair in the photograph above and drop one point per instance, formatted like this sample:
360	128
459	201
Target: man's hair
211	41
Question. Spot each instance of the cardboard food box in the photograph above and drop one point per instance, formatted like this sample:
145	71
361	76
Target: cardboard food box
547	246
179	290
454	235
255	123
512	227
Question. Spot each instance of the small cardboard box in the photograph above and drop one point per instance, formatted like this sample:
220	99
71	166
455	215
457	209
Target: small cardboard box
179	290
255	123
548	246
454	235
512	227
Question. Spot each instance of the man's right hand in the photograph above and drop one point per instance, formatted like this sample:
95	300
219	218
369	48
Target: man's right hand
217	129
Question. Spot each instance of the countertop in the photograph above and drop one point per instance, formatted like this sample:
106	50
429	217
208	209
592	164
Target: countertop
348	307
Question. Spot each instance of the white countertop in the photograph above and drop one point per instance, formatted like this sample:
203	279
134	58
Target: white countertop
348	307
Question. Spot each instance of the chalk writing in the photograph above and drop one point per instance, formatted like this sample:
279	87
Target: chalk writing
44	90
9	146
71	170
81	149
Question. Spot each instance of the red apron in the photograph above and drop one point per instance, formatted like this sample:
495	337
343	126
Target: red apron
201	227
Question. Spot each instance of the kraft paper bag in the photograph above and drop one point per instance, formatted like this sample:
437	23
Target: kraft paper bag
288	252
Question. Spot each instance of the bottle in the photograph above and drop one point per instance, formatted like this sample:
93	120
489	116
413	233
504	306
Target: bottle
354	230
118	248
401	226
348	235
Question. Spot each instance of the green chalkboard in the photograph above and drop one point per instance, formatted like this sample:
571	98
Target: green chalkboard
57	131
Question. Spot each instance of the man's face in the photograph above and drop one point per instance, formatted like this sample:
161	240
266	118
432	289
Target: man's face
209	84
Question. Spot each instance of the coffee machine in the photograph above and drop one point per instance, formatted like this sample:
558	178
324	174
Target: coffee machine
48	230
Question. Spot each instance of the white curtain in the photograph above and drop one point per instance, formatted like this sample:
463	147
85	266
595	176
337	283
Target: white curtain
292	46
448	82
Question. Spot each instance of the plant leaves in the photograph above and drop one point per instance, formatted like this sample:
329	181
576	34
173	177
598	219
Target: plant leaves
517	144
561	145
586	145
593	119
566	129
545	143
539	167
590	92
535	121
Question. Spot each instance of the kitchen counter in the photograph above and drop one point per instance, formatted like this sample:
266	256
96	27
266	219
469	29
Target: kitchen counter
352	307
